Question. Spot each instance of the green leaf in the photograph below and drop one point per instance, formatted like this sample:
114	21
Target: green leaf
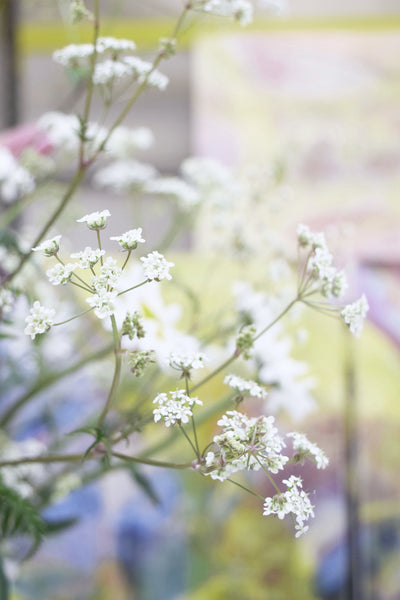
60	525
144	483
19	517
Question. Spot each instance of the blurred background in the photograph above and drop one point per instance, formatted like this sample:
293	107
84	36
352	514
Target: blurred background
312	92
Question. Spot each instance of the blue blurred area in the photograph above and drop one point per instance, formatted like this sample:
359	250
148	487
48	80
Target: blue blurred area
378	544
151	541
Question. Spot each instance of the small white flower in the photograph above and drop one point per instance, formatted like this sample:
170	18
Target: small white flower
142	71
243	386
95	220
115	45
7	300
88	257
339	284
246	443
103	303
186	195
240	10
108	276
354	315
187	362
294	501
50	247
155	266
18	182
308	238
124	175
39	320
124	142
108	71
130	239
174	407
321	265
61	274
306	448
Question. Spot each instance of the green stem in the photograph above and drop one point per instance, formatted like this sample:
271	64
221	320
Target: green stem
117	372
268	474
81	286
214	373
236	354
57	458
188	439
149	461
133	287
87	288
50	380
126	260
140	88
72	318
282	314
53	218
196	441
246	489
99	243
90	86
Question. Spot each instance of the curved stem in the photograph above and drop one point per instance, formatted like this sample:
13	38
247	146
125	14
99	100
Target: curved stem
149	461
133	287
53	218
126	260
188	439
117	372
50	380
246	489
72	318
90	86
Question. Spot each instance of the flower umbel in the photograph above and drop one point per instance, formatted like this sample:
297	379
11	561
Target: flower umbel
95	220
174	407
156	267
354	315
39	320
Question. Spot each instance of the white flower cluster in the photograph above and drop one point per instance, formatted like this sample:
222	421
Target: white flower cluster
332	282
174	407
294	501
63	133
240	10
156	267
185	194
108	276
115	65
354	315
49	247
7	300
125	142
130	239
305	448
124	175
288	379
95	220
39	320
187	362
88	257
61	274
245	443
105	282
15	181
103	302
74	54
245	387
